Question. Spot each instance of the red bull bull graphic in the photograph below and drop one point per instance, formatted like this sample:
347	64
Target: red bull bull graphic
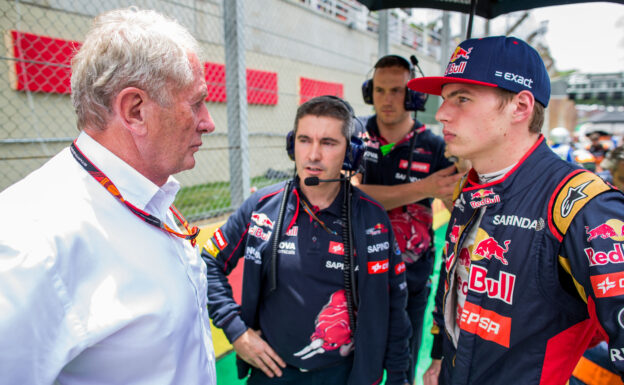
379	228
331	329
489	248
613	228
460	53
261	219
411	229
486	324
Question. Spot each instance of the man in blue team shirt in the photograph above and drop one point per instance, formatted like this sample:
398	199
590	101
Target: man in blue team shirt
313	311
404	168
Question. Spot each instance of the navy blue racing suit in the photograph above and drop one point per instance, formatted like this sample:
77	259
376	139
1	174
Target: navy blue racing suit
546	273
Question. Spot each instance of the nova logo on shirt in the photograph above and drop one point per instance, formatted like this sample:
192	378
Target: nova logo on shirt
286	247
378	267
336	248
253	255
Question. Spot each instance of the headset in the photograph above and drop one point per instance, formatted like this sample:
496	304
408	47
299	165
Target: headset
355	146
414	101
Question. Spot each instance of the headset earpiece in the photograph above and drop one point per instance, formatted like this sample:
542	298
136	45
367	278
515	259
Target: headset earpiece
353	156
290	144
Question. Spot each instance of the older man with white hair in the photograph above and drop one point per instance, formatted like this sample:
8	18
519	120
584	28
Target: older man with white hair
98	284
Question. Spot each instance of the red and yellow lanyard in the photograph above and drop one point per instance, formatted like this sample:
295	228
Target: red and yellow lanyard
99	176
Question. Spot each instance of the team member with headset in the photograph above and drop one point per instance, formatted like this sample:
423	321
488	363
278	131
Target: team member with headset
324	289
404	168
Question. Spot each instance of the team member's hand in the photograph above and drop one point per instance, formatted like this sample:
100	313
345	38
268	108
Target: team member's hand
433	373
442	183
256	352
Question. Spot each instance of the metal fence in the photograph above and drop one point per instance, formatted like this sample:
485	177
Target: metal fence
262	59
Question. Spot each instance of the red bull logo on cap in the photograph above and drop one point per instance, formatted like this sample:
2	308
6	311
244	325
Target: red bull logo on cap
460	53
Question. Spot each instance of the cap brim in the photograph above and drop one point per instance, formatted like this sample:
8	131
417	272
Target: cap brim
433	84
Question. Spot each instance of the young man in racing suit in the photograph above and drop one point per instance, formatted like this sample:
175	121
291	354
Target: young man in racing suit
534	264
404	169
296	321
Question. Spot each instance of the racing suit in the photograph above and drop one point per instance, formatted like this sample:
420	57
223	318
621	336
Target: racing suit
381	322
546	272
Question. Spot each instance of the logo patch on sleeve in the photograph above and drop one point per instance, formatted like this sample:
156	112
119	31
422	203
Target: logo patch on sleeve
221	242
211	248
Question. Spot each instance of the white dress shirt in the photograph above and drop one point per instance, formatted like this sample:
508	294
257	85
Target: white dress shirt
90	293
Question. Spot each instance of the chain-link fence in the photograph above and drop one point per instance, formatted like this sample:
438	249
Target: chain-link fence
262	59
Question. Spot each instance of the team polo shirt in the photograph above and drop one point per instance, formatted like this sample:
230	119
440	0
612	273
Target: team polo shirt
313	332
415	219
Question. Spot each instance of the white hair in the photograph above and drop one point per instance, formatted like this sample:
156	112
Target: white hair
129	48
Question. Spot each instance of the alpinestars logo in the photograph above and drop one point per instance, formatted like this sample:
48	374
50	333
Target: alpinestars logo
575	194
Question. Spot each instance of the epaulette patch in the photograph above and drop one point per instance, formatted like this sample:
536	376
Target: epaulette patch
572	194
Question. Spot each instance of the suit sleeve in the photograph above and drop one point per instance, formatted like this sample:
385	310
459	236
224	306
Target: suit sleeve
396	361
221	254
594	246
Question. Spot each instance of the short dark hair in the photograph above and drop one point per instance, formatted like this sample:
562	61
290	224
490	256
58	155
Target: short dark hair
331	106
393	61
537	119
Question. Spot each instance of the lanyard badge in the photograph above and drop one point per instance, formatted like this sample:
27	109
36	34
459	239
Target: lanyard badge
102	179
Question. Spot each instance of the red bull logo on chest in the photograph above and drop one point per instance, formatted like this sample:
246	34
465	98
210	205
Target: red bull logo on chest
490	248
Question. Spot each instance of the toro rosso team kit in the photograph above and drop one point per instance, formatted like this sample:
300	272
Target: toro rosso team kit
304	318
544	273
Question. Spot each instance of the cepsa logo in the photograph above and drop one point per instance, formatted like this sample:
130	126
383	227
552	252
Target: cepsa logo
486	324
399	268
378	267
336	248
608	285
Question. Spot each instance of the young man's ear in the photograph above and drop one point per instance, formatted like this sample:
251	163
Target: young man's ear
130	106
524	102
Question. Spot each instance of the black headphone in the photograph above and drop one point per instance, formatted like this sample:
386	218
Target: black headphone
355	147
414	101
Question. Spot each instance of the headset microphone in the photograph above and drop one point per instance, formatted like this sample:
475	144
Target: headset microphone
315	181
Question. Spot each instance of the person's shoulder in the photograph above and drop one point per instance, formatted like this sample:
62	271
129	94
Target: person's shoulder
366	201
266	192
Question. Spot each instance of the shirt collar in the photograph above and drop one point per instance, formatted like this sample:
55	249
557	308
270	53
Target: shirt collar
132	185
